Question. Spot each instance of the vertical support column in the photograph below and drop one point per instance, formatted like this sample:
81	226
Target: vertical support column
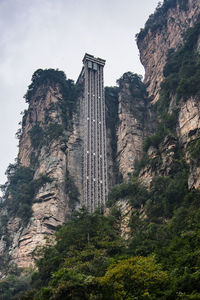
95	160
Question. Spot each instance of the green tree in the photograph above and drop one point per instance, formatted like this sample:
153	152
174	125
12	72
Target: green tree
135	278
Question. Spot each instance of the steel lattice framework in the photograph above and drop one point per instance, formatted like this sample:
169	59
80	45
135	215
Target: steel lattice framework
94	158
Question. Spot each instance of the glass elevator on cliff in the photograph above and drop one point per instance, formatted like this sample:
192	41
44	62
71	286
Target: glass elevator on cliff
94	177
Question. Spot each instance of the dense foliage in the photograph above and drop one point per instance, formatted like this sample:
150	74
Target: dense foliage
36	135
44	136
136	86
158	19
89	259
182	71
15	284
170	230
67	88
134	278
132	191
48	76
20	189
84	248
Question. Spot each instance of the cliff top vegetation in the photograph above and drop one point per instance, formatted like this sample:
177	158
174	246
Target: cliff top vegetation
48	76
158	19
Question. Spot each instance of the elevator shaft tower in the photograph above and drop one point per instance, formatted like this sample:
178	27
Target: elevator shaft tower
94	157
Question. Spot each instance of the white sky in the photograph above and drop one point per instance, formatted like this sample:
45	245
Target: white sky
56	34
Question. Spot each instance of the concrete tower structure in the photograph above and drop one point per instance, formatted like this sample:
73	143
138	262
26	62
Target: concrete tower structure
94	157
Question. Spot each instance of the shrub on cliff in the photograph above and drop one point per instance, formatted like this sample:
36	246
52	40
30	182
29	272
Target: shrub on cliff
41	77
51	77
158	19
20	189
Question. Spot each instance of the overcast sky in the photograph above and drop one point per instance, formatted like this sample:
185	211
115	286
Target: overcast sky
56	34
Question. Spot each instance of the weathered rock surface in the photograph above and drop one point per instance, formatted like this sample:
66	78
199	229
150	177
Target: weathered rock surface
59	160
187	131
189	119
127	130
154	47
155	44
132	112
74	150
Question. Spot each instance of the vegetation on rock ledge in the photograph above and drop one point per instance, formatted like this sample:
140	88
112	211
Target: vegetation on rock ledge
182	80
158	19
20	189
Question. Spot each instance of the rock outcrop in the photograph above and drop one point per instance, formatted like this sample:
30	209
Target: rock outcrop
188	132
164	31
128	116
132	114
51	147
51	205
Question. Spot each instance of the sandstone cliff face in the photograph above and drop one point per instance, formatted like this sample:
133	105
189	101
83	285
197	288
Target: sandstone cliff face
160	160
128	117
156	43
132	113
50	203
154	47
59	159
188	133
